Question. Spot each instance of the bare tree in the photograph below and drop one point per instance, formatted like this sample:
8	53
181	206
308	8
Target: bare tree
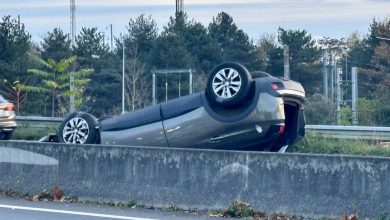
137	83
14	93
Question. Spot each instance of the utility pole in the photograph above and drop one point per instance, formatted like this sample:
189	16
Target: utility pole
286	55
19	22
123	76
325	63
179	6
338	93
72	21
72	40
332	76
112	45
111	39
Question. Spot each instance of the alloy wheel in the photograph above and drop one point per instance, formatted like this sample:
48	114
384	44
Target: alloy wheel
75	131
226	83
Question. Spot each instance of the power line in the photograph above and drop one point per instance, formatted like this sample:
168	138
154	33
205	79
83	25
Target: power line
72	33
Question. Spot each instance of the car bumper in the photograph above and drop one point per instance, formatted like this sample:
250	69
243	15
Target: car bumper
7	125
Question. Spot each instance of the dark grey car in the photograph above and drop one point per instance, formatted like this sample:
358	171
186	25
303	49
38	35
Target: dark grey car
235	112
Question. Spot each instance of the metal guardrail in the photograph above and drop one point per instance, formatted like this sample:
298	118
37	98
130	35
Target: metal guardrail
38	122
329	131
350	132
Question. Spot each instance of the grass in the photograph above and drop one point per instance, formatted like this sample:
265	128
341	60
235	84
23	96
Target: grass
31	134
321	145
242	210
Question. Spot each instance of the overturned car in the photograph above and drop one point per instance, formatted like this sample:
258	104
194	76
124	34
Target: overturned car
234	112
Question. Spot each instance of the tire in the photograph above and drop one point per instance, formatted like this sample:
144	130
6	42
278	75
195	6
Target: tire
7	135
78	128
228	84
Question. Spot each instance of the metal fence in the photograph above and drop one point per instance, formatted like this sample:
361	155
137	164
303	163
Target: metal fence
329	131
38	122
350	132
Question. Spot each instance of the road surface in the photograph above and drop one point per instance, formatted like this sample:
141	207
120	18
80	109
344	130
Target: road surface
19	209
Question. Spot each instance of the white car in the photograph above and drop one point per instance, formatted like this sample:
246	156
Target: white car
7	119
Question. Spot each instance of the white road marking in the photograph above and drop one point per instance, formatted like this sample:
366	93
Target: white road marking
72	212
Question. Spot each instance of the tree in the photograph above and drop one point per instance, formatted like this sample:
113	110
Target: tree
15	43
56	45
358	52
368	112
137	84
269	55
371	54
90	49
171	50
233	43
319	110
56	82
381	74
304	58
381	57
202	48
103	90
140	38
378	28
139	44
16	92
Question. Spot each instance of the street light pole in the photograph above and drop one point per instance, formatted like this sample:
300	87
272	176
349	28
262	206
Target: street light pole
123	77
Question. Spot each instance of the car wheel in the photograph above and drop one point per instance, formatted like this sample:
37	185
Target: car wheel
228	84
78	128
7	135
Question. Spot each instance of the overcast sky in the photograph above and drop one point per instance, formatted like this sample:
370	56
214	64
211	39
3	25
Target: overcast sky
331	18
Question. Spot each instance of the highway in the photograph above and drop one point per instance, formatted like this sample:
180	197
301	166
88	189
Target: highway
19	209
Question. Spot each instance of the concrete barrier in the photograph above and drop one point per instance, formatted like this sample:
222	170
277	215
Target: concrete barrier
309	185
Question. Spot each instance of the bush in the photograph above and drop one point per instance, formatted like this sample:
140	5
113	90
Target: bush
239	209
318	144
29	133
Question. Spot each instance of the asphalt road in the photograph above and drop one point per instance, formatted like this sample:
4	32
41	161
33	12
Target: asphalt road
19	209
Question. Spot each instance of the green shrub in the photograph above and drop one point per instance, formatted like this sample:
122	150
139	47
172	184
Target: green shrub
239	209
28	133
318	144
